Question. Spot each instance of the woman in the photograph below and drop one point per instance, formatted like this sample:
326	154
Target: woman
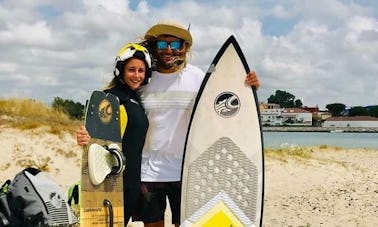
132	69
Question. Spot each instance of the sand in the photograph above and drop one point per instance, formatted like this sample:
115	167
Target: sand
58	154
334	187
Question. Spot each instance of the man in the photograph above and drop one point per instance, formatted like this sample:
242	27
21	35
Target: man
168	100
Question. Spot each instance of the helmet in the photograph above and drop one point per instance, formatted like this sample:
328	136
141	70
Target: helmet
132	50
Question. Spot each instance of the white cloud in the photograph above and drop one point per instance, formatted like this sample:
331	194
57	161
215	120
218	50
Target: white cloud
326	53
115	6
26	34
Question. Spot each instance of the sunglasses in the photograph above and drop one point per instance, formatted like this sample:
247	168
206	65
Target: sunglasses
174	45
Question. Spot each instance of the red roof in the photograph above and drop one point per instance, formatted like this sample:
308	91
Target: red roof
311	109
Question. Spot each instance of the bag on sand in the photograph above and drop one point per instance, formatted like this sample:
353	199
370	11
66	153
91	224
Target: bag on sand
32	199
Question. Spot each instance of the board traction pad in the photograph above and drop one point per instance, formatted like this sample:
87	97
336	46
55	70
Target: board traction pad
237	172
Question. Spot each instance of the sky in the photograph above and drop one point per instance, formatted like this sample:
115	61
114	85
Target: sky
322	52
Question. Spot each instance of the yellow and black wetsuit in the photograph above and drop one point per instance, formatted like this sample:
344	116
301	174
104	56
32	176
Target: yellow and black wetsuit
132	145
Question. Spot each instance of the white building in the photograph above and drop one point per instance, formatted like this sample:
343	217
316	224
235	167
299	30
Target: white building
270	114
274	115
356	121
296	117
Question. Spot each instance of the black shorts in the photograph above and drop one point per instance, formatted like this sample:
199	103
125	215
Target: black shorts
153	201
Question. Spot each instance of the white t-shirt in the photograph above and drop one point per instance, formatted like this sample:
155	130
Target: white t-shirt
168	100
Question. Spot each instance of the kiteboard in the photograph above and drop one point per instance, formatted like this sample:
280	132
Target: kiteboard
223	165
101	197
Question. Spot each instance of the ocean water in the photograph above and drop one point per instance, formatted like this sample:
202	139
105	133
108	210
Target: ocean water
346	140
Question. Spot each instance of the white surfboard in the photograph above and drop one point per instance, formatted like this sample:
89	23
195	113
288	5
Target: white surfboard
223	167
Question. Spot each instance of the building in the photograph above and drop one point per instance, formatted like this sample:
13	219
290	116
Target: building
311	109
356	121
324	115
270	114
273	115
296	117
316	118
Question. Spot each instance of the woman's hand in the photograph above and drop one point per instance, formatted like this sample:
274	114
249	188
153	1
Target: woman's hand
82	136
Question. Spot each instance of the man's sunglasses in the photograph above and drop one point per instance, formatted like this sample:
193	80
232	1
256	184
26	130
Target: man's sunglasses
174	45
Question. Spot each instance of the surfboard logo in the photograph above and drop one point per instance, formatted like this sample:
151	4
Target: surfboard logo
227	104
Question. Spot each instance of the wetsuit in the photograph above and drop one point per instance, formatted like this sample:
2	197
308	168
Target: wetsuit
132	145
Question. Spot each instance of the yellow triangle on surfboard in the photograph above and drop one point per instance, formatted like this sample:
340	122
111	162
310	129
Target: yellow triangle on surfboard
219	215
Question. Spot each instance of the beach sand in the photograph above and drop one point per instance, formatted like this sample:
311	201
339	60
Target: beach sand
332	187
335	187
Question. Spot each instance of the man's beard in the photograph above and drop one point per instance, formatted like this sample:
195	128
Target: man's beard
176	61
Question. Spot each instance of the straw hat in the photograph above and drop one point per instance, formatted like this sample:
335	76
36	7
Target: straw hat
169	28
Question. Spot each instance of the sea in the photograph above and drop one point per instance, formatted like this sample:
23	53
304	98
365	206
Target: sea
345	139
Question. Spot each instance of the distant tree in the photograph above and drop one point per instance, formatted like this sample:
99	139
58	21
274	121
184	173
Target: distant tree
373	111
74	110
358	111
285	99
58	104
298	103
335	108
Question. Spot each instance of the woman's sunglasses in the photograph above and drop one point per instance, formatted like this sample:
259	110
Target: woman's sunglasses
174	45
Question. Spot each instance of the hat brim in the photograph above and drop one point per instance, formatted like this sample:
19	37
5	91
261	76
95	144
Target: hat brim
167	29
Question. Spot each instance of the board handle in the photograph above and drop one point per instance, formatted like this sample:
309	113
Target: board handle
108	204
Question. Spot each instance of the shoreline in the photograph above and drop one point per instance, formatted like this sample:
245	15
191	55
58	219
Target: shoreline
319	129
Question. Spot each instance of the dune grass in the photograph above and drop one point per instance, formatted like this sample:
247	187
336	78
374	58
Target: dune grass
304	154
27	114
297	151
289	150
30	114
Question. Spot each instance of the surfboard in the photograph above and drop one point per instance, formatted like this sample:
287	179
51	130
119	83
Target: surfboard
223	165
